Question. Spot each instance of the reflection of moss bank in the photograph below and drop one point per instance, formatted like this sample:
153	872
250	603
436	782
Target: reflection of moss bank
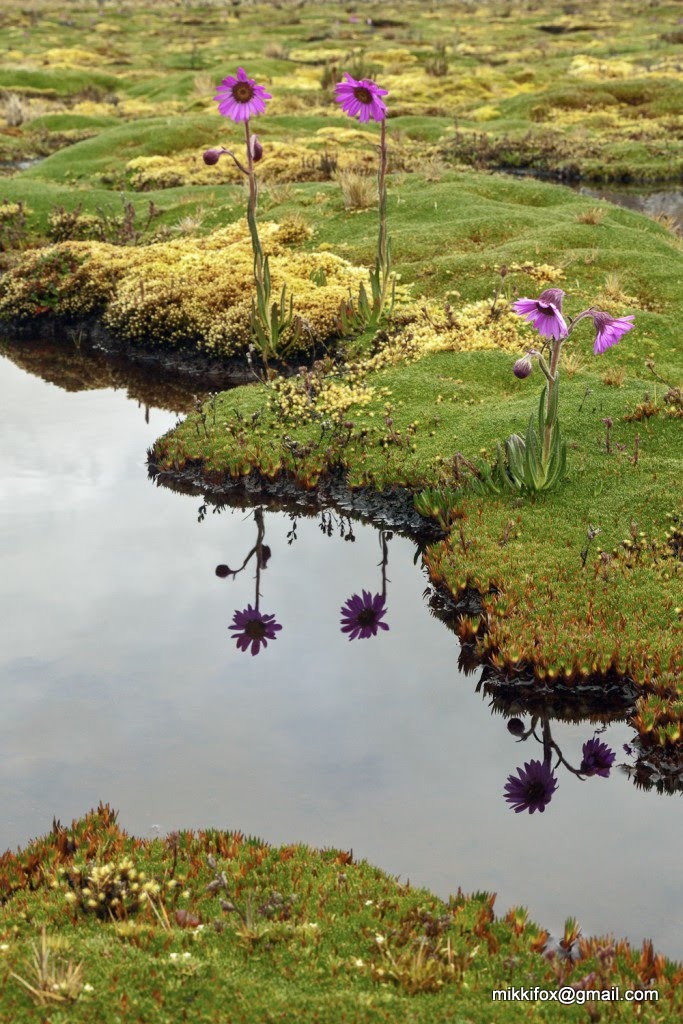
84	368
312	933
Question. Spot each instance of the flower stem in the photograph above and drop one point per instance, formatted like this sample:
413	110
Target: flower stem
552	377
259	262
383	266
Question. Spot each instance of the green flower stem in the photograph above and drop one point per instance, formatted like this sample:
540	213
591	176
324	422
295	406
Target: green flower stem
262	288
552	377
383	265
382	184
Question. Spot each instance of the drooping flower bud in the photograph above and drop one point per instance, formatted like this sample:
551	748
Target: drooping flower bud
212	156
516	726
522	367
256	149
222	571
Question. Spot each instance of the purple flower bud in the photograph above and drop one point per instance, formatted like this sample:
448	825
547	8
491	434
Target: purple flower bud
522	367
256	149
222	571
212	156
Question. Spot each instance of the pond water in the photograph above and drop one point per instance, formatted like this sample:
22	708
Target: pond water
653	201
663	200
121	680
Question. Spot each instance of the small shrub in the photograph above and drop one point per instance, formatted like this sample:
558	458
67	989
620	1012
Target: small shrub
111	890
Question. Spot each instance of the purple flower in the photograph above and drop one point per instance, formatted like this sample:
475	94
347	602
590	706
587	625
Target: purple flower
522	367
253	628
545	313
534	788
362	616
609	330
241	98
598	758
362	97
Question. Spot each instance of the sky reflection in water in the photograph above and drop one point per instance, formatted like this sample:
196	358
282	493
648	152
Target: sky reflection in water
121	682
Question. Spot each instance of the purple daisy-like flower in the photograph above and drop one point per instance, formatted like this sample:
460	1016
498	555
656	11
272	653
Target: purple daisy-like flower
253	629
609	330
545	313
534	788
240	97
362	98
362	616
598	758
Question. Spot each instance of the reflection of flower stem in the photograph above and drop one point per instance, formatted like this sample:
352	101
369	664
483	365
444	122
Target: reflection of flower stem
258	547
549	745
384	544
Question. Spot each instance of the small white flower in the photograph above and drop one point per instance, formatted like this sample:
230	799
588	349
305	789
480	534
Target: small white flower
173	956
358	962
379	939
186	956
4	947
88	988
368	903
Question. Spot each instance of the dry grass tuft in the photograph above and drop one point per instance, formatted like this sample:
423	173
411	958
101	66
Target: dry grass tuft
359	191
51	982
614	377
573	363
595	215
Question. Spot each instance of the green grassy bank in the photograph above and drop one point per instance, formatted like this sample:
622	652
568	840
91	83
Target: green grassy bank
214	926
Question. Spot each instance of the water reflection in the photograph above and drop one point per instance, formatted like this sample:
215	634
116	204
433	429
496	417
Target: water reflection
121	682
362	615
253	628
533	787
75	367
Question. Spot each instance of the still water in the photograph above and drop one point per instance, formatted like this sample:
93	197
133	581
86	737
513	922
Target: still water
121	681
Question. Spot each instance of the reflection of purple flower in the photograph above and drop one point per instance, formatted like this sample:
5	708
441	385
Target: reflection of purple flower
362	616
545	313
253	628
240	97
598	758
361	97
609	330
534	788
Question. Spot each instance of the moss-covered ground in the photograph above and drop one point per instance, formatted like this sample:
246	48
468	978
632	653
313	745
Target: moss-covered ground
218	927
123	223
558	87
